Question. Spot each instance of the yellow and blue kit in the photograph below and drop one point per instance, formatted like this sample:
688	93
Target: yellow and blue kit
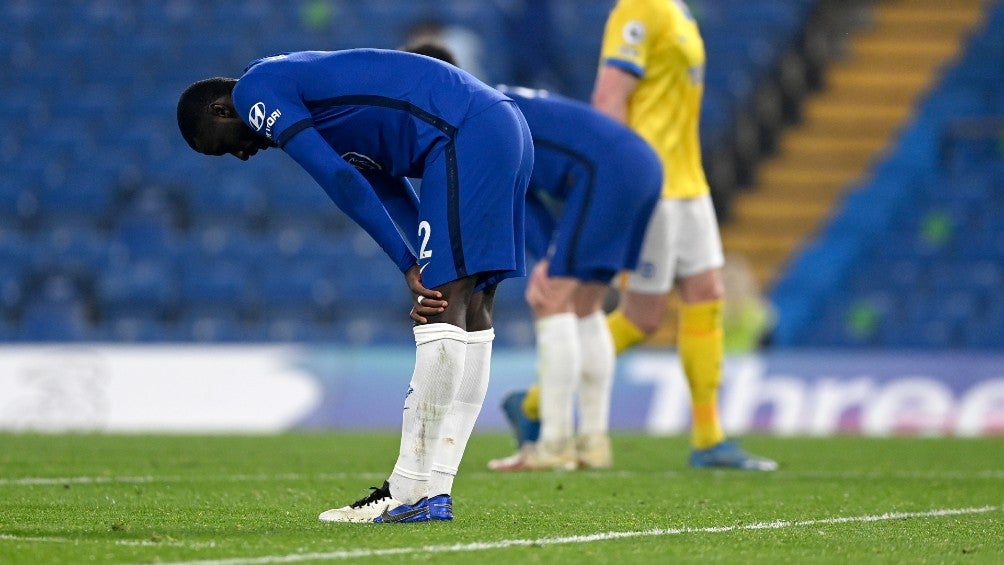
658	42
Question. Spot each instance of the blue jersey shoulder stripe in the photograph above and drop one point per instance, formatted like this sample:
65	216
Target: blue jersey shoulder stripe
292	130
385	102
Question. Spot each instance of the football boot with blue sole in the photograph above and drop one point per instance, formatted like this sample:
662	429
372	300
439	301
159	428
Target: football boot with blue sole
728	455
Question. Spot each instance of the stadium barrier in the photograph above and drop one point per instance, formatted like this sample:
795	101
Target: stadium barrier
275	388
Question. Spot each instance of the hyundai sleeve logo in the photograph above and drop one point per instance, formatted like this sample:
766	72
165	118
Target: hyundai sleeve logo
257	116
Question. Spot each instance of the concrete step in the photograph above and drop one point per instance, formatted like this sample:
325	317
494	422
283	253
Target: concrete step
765	252
867	129
786	173
873	86
869	96
867	79
774	215
769	244
850	110
914	46
927	14
797	193
810	144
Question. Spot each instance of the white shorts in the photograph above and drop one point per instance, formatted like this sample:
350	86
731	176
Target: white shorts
682	239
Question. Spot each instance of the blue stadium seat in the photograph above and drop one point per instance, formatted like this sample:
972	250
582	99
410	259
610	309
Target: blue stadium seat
85	202
219	243
214	327
236	202
142	289
929	226
291	329
18	204
136	213
9	331
305	291
147	228
59	312
301	204
77	249
217	287
365	329
46	322
11	290
134	328
17	250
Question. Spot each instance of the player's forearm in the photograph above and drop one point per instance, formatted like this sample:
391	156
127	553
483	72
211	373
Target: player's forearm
613	108
612	92
351	192
399	198
367	211
359	203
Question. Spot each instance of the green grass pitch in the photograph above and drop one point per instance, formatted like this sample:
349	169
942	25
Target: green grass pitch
255	499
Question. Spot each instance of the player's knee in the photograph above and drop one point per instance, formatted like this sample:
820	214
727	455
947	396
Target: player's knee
702	287
649	319
544	308
546	304
480	308
458	295
647	324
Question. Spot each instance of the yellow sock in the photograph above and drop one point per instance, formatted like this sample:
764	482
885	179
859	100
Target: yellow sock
625	333
702	350
531	402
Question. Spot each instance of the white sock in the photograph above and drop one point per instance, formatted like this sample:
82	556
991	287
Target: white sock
463	412
440	354
598	359
559	364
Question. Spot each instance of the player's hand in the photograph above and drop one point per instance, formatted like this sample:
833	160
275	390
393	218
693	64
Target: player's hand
425	302
540	291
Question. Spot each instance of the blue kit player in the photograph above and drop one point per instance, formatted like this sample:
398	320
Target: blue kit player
362	122
594	187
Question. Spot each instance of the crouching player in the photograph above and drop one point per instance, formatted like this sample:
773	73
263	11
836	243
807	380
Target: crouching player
362	122
594	186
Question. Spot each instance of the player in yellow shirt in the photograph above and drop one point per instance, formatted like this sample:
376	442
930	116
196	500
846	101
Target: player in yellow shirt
651	77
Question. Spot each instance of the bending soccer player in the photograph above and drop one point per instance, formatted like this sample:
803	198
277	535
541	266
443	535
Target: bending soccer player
592	192
651	79
361	122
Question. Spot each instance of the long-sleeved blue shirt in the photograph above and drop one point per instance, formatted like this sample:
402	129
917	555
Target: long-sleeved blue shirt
360	122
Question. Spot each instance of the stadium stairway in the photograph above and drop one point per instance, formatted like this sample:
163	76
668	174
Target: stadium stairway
867	97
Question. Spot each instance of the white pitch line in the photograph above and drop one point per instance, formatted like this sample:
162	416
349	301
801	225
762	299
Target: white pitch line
140	479
588	538
126	542
364	476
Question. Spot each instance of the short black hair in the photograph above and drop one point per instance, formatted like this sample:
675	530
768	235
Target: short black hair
193	105
432	49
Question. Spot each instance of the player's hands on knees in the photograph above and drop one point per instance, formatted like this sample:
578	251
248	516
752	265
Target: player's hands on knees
539	291
425	302
549	295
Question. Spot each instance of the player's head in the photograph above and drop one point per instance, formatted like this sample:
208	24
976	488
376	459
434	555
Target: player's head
432	49
210	124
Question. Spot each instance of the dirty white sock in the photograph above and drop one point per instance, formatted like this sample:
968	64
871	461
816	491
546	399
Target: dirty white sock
440	354
463	412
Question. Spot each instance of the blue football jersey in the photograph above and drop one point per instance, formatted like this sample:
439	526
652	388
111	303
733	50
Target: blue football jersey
384	109
360	121
598	181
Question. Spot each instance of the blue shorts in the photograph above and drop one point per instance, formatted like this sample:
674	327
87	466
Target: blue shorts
471	207
601	225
